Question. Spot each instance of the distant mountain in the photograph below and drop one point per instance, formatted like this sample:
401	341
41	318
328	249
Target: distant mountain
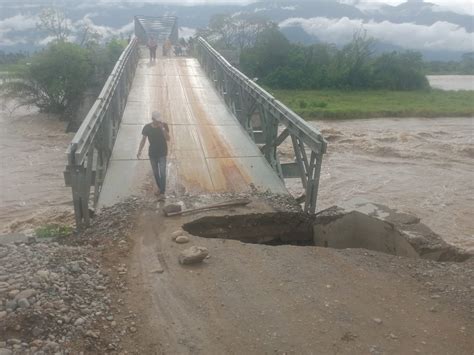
418	25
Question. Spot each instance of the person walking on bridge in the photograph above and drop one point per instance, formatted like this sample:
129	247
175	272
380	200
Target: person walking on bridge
158	135
152	45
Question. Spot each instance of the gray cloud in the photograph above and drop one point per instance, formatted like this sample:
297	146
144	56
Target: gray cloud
439	36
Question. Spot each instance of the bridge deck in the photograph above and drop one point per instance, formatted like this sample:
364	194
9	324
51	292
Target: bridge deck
209	150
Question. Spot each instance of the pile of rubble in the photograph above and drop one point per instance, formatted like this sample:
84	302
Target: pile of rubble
48	294
55	295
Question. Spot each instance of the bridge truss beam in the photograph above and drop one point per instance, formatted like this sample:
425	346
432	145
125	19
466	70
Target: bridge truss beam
263	116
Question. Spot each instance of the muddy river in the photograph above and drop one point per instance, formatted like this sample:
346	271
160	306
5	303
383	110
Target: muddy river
421	166
452	82
32	159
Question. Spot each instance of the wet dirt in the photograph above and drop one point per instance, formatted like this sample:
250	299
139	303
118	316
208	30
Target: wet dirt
256	299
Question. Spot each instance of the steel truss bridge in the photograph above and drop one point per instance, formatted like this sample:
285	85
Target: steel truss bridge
225	128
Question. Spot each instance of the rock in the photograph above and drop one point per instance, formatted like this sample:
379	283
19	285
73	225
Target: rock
182	239
37	331
176	234
133	329
26	294
13	341
23	303
37	342
13	293
172	208
79	321
193	255
377	320
74	267
92	334
5	352
11	305
43	274
3	314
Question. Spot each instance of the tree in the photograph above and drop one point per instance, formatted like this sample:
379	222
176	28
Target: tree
271	51
399	71
54	22
54	79
235	31
354	62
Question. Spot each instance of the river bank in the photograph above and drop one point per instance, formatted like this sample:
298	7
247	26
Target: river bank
339	104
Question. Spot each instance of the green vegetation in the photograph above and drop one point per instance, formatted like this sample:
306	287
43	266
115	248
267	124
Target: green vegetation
280	64
53	231
338	104
56	78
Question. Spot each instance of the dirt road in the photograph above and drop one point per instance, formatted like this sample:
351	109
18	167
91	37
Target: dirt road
256	299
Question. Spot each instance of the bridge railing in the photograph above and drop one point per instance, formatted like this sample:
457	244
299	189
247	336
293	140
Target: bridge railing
89	152
263	117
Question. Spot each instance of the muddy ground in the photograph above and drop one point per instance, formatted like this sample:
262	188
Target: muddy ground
243	299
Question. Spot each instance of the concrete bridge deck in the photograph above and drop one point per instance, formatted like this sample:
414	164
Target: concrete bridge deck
209	149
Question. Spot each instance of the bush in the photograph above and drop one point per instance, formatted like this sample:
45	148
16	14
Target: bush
53	231
52	79
303	104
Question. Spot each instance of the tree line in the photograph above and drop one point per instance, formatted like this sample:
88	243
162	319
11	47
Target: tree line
55	78
268	55
463	67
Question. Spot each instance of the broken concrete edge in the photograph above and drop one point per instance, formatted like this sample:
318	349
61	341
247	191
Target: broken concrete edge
408	236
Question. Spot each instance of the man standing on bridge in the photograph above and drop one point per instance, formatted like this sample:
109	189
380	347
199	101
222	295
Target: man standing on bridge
157	133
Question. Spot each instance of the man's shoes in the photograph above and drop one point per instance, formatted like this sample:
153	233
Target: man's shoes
161	197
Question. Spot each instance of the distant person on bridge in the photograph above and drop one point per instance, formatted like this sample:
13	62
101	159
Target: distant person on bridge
167	47
152	45
157	133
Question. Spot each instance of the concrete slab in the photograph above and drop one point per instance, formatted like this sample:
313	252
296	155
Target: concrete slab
124	178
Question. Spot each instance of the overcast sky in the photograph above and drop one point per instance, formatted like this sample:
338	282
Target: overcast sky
17	29
466	6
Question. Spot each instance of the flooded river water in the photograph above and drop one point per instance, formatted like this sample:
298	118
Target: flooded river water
421	166
416	165
32	160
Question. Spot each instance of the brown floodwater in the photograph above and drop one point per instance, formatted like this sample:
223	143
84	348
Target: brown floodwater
421	166
417	165
32	160
452	82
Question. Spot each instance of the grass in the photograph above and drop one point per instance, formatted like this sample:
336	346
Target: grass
53	231
334	104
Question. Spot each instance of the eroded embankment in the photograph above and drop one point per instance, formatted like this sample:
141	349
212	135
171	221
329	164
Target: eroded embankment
397	234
